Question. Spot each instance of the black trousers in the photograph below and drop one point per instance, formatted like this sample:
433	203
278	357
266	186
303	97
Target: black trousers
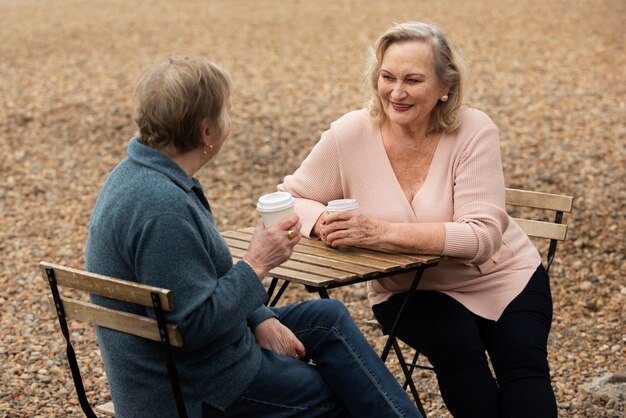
454	340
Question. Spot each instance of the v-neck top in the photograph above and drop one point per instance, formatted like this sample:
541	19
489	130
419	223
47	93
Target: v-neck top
488	259
423	164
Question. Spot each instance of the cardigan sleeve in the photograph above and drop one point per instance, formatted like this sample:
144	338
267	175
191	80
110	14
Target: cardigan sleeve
170	253
480	217
319	178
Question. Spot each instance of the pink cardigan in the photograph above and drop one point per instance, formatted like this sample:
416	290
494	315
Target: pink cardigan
488	259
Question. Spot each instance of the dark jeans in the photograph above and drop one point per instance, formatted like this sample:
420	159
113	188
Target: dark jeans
348	378
454	340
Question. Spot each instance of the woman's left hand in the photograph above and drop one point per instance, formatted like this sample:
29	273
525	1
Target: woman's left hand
272	335
353	229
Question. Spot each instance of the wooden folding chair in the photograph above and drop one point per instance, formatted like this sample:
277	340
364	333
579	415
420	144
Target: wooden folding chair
74	307
554	231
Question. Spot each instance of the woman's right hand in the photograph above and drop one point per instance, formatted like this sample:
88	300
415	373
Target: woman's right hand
272	246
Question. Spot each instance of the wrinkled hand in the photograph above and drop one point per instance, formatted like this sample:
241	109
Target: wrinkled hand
272	246
352	229
319	224
272	335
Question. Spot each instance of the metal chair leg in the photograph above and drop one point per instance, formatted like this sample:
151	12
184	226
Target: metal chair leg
408	377
412	367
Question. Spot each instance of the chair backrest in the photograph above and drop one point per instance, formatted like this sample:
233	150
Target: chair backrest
75	306
554	230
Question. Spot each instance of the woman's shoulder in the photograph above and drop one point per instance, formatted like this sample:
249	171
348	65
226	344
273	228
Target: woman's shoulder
472	118
134	187
354	116
473	125
476	129
353	125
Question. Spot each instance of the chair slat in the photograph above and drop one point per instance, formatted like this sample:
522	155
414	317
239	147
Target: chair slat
123	290
539	200
539	229
61	279
138	325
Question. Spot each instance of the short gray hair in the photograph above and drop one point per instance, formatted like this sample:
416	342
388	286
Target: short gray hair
174	96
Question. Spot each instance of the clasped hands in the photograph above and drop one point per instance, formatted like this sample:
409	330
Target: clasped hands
350	229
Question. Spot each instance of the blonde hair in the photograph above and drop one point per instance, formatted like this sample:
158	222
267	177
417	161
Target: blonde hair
448	65
174	96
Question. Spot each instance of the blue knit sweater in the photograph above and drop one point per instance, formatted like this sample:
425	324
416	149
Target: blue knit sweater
152	224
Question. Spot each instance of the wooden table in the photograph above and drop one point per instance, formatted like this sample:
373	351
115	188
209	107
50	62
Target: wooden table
319	268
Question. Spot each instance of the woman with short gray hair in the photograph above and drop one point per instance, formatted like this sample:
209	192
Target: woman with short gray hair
152	224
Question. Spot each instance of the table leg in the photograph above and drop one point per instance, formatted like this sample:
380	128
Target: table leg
271	288
270	291
394	329
391	341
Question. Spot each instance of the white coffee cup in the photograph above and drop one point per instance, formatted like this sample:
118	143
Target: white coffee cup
342	205
275	206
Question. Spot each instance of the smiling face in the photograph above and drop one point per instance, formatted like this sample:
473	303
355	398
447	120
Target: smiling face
407	84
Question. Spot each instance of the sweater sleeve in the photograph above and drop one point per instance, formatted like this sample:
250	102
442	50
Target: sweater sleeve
170	253
261	314
319	178
480	216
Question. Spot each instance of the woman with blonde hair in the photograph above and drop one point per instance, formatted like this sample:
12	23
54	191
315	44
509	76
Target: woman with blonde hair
427	174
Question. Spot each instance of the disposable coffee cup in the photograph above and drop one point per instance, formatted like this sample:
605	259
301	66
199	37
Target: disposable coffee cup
275	206
342	205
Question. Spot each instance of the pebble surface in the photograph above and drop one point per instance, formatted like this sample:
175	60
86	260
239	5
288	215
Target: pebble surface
550	73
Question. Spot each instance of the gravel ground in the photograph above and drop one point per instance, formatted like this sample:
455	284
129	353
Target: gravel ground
550	73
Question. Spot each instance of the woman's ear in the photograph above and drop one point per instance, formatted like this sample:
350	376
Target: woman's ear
205	129
205	134
445	90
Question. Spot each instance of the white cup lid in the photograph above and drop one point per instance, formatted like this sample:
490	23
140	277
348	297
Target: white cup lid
342	204
274	202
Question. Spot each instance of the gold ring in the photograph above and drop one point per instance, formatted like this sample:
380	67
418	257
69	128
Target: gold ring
291	234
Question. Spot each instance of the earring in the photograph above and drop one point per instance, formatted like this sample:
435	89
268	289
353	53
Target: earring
210	147
444	98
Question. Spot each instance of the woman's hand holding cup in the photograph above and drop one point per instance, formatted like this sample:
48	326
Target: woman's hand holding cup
272	246
338	213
